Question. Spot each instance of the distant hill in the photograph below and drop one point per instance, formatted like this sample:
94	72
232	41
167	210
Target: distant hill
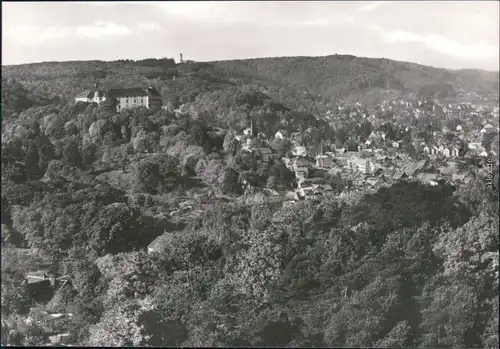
318	80
346	76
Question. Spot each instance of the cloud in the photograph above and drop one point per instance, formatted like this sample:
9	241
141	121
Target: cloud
375	27
339	18
99	30
200	10
443	45
31	35
322	22
148	26
372	6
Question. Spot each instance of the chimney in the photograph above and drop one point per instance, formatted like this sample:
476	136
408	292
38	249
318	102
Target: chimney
181	58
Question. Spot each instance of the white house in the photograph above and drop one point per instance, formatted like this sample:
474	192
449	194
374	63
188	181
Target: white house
426	149
362	165
301	167
279	135
324	161
125	98
455	152
446	152
300	151
474	145
395	144
459	128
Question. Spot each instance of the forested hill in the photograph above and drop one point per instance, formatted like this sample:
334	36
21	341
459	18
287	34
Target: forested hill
347	76
318	80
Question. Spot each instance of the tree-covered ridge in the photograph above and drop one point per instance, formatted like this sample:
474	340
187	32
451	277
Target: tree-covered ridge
331	77
340	75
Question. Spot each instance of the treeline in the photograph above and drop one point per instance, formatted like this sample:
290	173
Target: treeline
340	76
330	77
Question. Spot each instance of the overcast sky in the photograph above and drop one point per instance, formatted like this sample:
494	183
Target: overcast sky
450	34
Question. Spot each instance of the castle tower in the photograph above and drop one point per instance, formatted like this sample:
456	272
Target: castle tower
96	92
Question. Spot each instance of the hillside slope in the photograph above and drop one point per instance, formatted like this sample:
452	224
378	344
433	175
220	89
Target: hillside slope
329	78
345	76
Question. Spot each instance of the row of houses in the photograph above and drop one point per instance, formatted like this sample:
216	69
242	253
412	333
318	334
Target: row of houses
447	152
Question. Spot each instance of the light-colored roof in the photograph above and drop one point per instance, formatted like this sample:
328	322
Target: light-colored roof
162	241
265	151
85	94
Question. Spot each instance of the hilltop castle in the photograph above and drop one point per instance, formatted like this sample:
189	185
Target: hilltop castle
125	98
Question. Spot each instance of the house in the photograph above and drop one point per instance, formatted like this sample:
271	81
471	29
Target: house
426	150
446	152
301	167
372	181
474	145
324	161
42	287
488	127
60	338
459	128
161	242
39	287
280	134
399	174
326	189
265	153
455	152
121	99
305	192
395	144
409	170
458	177
448	171
129	98
300	151
428	178
362	165
288	163
96	95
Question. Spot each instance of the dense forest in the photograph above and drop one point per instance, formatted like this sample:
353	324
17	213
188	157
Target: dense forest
85	190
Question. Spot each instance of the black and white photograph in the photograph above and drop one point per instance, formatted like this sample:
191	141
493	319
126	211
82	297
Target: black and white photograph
250	174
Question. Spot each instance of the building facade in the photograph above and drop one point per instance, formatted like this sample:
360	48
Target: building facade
121	99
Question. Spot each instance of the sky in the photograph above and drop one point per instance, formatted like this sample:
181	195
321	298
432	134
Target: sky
448	34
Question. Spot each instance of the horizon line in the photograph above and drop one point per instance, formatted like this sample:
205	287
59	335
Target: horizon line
249	58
